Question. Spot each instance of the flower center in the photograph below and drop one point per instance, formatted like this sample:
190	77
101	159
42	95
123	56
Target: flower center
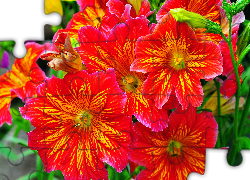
174	148
130	83
178	62
84	120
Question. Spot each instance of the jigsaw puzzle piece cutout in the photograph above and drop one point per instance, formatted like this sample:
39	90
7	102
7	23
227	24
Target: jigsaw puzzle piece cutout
30	22
217	167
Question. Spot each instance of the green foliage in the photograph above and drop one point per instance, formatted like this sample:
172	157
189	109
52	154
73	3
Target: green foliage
7	45
244	143
114	175
246	82
22	124
226	130
155	5
74	43
243	39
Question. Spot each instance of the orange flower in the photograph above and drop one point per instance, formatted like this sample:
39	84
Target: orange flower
21	81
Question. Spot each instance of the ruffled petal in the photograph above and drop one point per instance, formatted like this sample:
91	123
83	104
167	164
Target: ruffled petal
179	149
70	134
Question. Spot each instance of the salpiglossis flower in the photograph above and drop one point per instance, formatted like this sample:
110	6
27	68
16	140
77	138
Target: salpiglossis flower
176	61
93	13
208	9
117	51
21	81
177	150
125	10
64	57
79	125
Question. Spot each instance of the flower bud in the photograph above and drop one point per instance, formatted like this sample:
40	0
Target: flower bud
195	20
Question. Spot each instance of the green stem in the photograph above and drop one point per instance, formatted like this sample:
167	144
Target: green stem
244	114
39	168
136	172
219	140
244	53
51	175
233	153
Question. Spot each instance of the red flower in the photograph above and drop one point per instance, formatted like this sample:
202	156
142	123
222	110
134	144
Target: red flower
21	81
176	61
177	150
117	51
93	13
79	125
208	9
129	9
94	3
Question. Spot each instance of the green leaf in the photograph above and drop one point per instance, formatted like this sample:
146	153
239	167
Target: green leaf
22	124
207	110
7	44
114	175
56	28
53	72
60	74
74	42
111	172
246	129
226	130
246	83
244	143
